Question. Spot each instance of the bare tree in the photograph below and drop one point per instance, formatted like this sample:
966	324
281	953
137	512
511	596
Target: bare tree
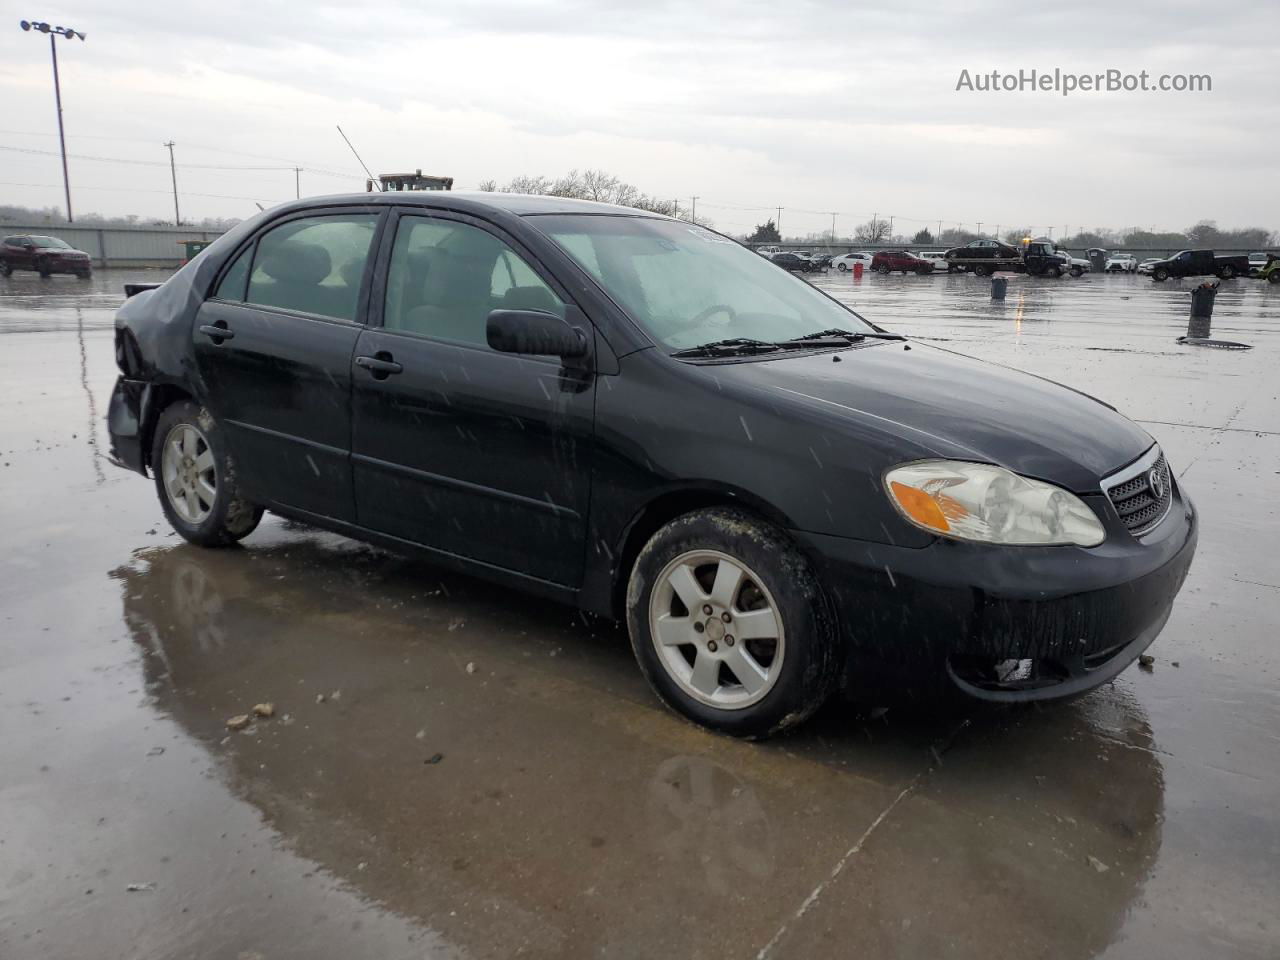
873	231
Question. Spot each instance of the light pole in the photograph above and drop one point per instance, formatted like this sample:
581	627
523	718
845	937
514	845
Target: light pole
173	172
54	33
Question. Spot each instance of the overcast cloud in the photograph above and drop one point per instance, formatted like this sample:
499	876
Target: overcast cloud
812	106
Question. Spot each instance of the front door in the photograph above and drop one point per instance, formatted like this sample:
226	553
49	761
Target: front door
274	346
458	447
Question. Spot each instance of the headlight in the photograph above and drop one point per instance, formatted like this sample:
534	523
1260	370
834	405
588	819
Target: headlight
978	501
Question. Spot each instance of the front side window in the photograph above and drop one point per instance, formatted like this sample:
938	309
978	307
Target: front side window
446	277
232	286
313	265
686	285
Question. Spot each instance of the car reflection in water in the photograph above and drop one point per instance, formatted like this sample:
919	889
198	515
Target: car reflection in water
570	816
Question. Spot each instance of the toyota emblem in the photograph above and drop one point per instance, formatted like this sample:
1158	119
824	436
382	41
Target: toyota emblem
1156	481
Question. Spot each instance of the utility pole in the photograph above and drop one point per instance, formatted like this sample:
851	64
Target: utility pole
694	215
874	237
675	207
891	227
938	238
173	171
997	231
778	224
833	227
54	33
297	182
979	228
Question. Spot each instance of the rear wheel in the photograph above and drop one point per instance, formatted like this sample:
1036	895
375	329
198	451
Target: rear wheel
1227	271
5	269
729	624
1273	276
842	267
195	478
42	268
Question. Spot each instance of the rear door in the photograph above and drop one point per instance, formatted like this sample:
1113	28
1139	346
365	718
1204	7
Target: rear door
274	347
458	447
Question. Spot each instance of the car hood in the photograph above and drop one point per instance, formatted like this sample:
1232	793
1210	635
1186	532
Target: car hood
60	250
949	405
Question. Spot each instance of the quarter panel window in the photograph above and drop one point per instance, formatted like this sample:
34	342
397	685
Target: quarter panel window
313	265
445	277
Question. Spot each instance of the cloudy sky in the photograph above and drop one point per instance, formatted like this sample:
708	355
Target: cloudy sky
811	106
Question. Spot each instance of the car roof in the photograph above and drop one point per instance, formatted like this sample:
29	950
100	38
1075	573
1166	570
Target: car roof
520	204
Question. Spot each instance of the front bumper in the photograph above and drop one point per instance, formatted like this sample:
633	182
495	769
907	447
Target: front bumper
1004	624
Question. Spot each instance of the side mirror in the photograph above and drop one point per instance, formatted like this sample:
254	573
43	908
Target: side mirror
534	332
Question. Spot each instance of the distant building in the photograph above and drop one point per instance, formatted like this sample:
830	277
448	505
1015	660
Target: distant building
411	181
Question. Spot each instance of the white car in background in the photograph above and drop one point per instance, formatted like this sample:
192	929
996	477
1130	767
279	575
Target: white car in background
1122	263
845	261
937	258
1076	266
768	252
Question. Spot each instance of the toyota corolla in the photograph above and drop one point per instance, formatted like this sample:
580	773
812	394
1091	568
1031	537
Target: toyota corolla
640	417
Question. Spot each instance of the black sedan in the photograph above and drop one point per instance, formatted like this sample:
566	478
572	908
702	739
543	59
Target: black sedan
43	255
983	249
640	417
795	262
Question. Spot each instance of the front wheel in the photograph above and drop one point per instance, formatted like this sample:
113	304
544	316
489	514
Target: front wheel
729	624
1227	272
195	478
1273	276
842	267
1077	271
1160	275
1055	271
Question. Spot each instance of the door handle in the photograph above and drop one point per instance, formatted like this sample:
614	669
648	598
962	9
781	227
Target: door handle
380	365
217	332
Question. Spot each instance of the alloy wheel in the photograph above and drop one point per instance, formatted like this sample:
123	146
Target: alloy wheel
716	629
189	473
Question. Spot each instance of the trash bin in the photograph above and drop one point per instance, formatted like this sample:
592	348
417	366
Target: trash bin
857	270
998	286
191	248
1097	259
1202	298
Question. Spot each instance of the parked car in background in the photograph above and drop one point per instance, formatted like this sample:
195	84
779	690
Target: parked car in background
1200	263
768	251
1122	263
887	261
797	262
846	261
43	255
457	376
1076	266
1146	265
1259	260
820	261
936	257
1270	270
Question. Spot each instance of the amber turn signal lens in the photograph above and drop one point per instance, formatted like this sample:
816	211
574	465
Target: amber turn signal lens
919	506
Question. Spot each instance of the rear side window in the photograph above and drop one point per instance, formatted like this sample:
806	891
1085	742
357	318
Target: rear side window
313	265
445	277
234	280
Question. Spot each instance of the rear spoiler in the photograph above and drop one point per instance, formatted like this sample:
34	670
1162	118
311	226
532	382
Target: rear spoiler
133	289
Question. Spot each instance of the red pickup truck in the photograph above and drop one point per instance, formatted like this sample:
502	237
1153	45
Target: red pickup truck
886	261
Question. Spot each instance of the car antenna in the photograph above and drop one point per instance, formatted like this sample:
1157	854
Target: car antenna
372	179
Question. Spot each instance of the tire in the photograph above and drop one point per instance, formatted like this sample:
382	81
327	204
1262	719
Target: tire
1077	271
5	269
42	268
219	518
924	271
1273	276
1227	271
842	267
1054	271
84	274
781	595
982	271
1160	275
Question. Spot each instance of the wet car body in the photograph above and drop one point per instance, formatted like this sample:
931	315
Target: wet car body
43	255
551	474
887	261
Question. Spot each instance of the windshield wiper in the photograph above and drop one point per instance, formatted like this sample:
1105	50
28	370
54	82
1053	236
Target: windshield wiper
730	345
848	335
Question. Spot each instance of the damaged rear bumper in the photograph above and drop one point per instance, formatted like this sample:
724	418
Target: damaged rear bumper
1002	624
126	414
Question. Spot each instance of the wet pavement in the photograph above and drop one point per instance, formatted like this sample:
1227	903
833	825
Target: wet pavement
458	771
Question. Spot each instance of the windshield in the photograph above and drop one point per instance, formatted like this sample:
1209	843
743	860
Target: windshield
50	242
686	285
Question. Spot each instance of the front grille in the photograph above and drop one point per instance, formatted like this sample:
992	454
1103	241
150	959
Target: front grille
1140	502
